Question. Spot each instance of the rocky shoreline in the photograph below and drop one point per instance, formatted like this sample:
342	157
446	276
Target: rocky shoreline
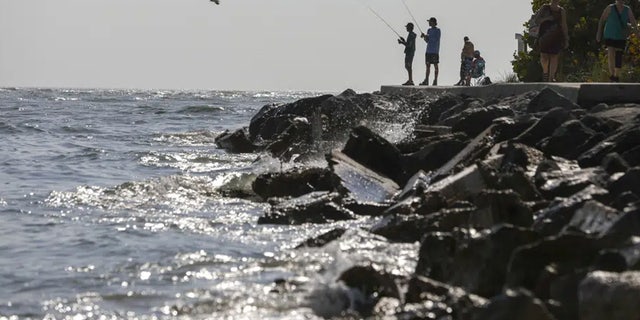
525	207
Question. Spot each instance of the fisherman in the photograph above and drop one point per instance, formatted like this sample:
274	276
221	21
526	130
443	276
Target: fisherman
466	58
432	57
409	52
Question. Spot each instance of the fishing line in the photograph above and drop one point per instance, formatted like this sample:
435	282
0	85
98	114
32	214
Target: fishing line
411	14
381	19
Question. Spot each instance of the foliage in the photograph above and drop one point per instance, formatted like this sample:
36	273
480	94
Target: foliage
585	59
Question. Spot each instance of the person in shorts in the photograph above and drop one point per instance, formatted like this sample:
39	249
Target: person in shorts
616	18
409	52
466	58
432	57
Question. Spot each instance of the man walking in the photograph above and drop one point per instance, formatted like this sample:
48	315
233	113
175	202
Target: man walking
432	57
409	52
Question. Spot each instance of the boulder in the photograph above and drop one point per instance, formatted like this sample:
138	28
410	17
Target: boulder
593	218
480	264
362	184
474	121
623	140
372	284
315	207
293	183
630	181
435	258
548	99
432	156
235	142
323	239
463	304
374	152
496	207
431	114
559	213
570	140
514	304
608	295
569	251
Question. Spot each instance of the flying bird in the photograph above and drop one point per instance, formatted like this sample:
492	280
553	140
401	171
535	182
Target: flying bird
216	1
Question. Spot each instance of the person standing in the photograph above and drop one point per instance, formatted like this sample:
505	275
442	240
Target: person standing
409	52
432	57
617	19
466	58
553	37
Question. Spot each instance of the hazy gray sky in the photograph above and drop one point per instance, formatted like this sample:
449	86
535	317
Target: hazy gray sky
241	44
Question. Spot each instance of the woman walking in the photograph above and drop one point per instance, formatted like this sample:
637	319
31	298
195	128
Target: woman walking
552	37
619	19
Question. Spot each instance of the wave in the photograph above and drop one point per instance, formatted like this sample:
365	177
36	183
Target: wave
201	109
8	128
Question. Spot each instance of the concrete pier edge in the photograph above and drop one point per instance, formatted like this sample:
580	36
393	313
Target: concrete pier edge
585	94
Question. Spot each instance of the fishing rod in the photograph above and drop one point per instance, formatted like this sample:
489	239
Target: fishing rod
411	14
381	19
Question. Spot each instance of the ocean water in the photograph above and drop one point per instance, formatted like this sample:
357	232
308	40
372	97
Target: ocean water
116	204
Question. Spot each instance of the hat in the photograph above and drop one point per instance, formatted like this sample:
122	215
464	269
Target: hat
433	19
466	38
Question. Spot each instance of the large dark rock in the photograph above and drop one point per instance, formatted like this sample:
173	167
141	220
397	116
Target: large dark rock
374	152
432	156
559	213
570	140
435	258
467	103
473	121
514	304
479	265
593	218
607	295
565	183
323	239
271	120
362	184
235	142
463	304
293	183
630	181
569	251
315	207
431	114
548	99
372	284
294	139
496	207
623	140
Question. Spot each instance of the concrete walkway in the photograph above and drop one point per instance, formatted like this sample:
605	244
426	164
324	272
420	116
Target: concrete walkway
585	94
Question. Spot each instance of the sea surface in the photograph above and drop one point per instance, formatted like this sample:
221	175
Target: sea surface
115	204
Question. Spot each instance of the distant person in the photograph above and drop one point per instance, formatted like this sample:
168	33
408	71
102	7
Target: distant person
432	57
409	52
619	18
552	37
466	58
478	69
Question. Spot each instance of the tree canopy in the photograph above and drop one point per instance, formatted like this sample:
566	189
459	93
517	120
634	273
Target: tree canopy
584	53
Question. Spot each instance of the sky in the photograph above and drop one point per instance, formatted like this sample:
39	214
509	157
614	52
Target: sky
283	45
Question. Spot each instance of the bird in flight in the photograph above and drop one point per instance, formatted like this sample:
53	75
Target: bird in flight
216	1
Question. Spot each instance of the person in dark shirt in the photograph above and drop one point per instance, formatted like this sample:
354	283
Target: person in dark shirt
409	52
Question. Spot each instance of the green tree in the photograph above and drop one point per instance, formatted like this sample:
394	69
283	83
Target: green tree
579	61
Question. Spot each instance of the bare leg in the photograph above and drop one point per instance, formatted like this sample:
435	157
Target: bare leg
410	72
426	77
435	73
553	66
611	55
544	61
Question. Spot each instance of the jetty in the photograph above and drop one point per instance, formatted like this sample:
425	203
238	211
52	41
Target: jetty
585	94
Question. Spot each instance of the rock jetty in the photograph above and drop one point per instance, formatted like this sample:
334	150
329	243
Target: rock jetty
525	207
